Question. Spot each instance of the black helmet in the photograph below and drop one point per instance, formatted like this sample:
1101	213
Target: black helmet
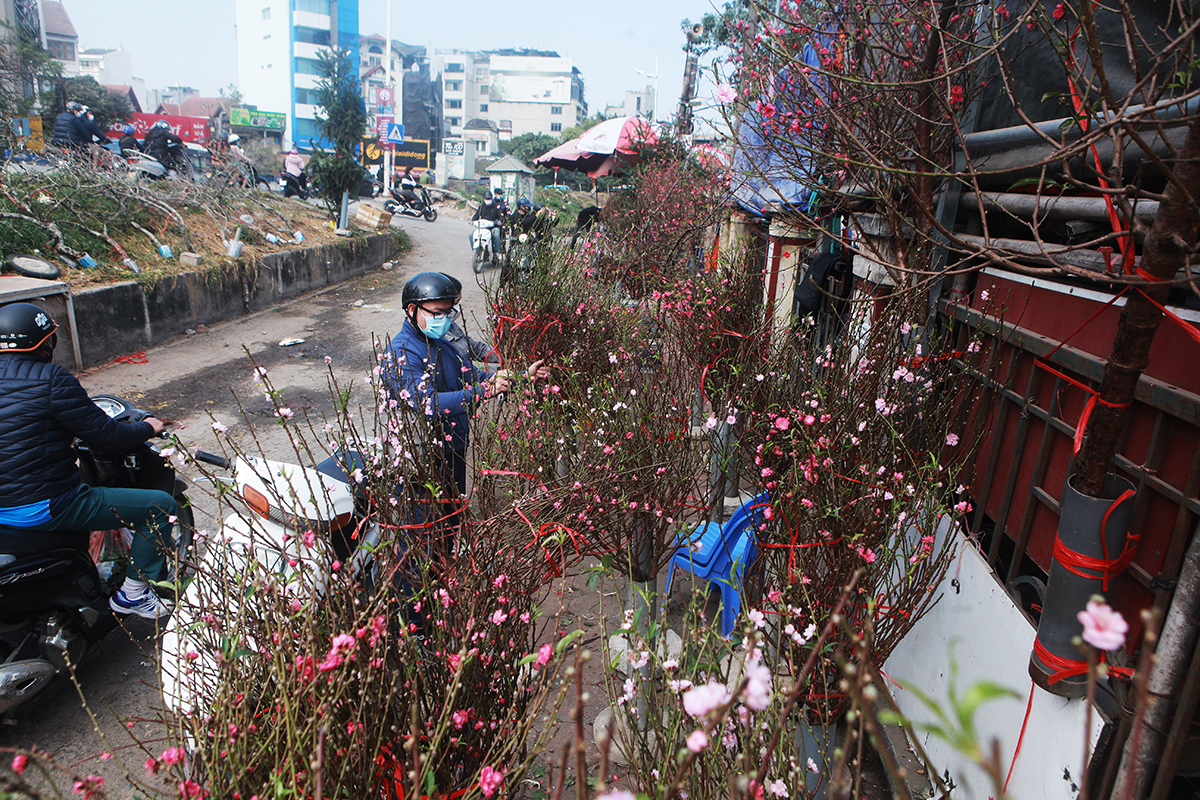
427	287
24	328
457	284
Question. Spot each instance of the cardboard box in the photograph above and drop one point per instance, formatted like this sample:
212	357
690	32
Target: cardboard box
373	219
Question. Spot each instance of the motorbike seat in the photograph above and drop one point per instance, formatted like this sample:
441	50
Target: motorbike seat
20	542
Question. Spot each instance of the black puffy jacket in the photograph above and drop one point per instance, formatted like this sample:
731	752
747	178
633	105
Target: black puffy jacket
42	409
163	144
67	131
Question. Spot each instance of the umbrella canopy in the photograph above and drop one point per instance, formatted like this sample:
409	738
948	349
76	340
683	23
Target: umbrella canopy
603	149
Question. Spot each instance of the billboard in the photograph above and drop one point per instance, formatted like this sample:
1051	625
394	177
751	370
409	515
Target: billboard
530	87
250	118
413	153
190	129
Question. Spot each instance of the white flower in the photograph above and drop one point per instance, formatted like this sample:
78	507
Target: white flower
757	617
812	766
639	659
697	741
710	423
777	788
219	428
757	694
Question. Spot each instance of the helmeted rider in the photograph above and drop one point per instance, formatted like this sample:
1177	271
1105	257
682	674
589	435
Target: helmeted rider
492	210
408	188
163	144
87	120
128	140
68	130
42	410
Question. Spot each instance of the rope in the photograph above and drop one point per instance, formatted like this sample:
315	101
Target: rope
1077	562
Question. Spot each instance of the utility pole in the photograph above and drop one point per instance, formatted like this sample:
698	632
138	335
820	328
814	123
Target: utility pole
684	126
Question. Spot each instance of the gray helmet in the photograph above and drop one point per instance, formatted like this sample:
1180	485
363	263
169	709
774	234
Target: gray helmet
24	328
162	123
74	106
427	287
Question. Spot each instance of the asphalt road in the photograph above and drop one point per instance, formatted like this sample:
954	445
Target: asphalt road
210	376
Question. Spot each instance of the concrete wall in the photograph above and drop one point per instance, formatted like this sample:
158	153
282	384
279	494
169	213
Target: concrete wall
126	317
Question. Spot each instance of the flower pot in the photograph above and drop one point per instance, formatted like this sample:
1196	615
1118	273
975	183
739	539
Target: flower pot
1092	527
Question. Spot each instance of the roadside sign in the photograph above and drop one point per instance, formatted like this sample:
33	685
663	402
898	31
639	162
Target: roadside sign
382	121
383	96
395	133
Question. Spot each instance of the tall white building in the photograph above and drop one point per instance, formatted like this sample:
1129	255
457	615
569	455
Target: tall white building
518	91
278	42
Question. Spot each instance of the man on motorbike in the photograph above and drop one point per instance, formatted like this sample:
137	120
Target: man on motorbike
129	141
42	410
68	130
492	210
164	145
408	188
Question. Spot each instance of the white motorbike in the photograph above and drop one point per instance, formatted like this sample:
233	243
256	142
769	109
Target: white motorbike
481	244
296	522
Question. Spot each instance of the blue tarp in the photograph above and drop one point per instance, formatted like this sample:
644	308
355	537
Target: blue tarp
777	170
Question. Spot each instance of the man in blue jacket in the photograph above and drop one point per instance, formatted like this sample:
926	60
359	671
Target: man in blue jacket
42	410
434	379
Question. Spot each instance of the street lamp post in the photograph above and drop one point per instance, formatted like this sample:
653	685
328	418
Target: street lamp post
655	76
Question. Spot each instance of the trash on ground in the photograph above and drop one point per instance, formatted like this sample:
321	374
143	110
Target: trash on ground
291	340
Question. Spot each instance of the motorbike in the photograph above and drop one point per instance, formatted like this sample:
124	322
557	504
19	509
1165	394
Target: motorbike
423	207
296	522
54	603
294	186
481	244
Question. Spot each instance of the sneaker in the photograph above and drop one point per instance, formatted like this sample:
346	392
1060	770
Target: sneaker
145	604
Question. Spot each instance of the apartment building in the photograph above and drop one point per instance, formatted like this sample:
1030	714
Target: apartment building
278	42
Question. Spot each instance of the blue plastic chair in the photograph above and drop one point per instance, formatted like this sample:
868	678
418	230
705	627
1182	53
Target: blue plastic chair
720	554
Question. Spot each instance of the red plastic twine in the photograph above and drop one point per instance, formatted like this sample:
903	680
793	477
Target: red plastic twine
1076	562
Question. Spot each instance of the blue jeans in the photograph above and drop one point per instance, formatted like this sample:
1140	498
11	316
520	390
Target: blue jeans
146	512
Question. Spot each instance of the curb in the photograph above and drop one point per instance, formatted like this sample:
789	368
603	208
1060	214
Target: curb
126	317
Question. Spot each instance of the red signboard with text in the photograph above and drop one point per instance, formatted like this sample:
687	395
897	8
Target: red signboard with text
190	129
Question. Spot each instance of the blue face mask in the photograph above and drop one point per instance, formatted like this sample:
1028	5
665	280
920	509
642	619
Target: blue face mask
436	325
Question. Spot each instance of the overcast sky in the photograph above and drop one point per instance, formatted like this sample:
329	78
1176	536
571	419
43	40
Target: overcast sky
186	42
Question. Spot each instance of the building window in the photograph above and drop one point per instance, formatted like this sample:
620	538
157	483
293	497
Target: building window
454	122
556	110
453	86
481	147
317	36
484	90
267	12
455	66
306	129
454	104
63	51
302	96
483	108
307	66
313	6
555	127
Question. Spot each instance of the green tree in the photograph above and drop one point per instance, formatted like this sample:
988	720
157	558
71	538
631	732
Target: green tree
109	107
345	121
24	66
